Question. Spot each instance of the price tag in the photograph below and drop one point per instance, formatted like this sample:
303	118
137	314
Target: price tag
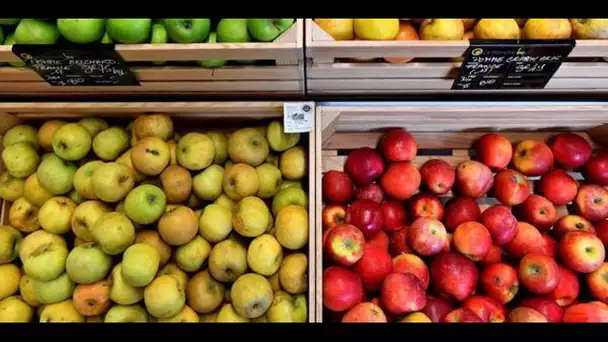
77	65
511	64
298	116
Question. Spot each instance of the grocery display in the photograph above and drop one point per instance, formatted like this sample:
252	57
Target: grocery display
155	218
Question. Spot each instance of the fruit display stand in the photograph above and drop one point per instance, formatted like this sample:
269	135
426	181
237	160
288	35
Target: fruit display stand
447	132
330	69
187	117
278	72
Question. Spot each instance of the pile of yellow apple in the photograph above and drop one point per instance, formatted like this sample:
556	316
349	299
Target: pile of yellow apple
142	224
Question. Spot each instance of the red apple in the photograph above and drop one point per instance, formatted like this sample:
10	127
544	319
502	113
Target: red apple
538	273
586	313
364	313
402	293
371	192
473	179
597	281
527	240
337	187
572	223
462	315
437	176
459	210
486	309
539	212
546	307
581	252
550	246
500	282
333	215
426	205
472	240
436	309
410	263
571	151
532	158
500	222
454	275
591	202
493	256
601	230
401	180
398	242
596	169
364	165
427	236
373	267
344	244
558	187
398	145
342	289
494	150
448	243
365	215
394	216
525	314
511	187
567	288
380	240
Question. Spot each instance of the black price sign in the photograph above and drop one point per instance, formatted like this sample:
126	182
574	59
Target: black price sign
77	65
511	64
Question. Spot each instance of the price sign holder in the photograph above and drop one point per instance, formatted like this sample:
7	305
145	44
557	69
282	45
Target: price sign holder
298	117
65	64
511	64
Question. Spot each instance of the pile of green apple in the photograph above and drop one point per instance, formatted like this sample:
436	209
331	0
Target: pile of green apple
143	224
142	31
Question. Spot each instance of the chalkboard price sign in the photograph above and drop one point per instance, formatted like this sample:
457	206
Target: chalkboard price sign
511	64
81	65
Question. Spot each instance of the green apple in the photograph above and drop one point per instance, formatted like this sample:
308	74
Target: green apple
21	133
159	36
187	30
72	142
270	180
207	185
10	40
114	232
221	146
215	223
140	263
300	311
83	179
35	240
122	293
35	31
82	31
195	151
112	182
20	159
56	290
249	146
212	63
289	183
55	215
145	204
106	39
278	140
232	31
10	241
85	216
129	31
126	314
94	125
288	196
47	262
11	188
267	30
87	264
76	197
110	143
9	22
191	256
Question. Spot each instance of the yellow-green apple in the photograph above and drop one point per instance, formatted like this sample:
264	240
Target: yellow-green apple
459	210
454	275
145	204
134	313
546	306
20	159
473	240
87	264
499	281
572	223
525	314
55	215
425	205
473	179
125	159
85	216
33	241
21	133
72	142
539	212
56	290
114	232
398	145
215	223
15	310
570	150
227	261
220	141
139	265
289	196
538	273
122	293
270	178
83	177
278	139
500	222
364	165
527	240
581	252
208	184
486	308
93	125
410	263
10	242
248	146
112	182
558	187
344	244
11	188
56	175
591	202
153	125
195	151
150	156
342	289
110	143
511	187
251	217
240	180
264	255
47	262
293	163
567	289
46	133
23	216
191	255
532	157
437	176
494	150
427	236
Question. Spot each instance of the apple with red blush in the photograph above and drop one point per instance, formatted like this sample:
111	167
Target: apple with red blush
398	242
527	240
401	180
342	289
380	240
364	165
436	309
539	212
538	273
586	313
525	314
437	176
472	240
550	246
511	187
398	145
591	202
337	187
601	230
459	210
473	179
493	256
545	306
394	216
375	265
371	192
402	293
486	308
558	187
365	215
581	252
494	150
572	223
597	282
365	313
567	289
532	157
426	205
500	222
454	276
411	263
570	150
344	244
462	315
500	282
333	215
427	236
596	169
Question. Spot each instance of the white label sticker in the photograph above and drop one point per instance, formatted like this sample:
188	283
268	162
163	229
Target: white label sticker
297	116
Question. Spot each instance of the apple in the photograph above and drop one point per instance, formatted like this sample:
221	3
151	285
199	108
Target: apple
596	169
486	308
454	275
21	134
494	150
493	256
570	150
129	31
501	224
585	313
111	182
473	179
410	263
437	176
344	244
472	240
278	139
538	273
364	165
72	142
436	309
567	288
558	187
459	210
527	240
462	315
342	289
550	246
145	204
332	216
394	216
539	212
581	252
365	313
337	187
370	191
94	125
426	205
547	307
187	31
55	215
20	160
36	31
499	281
398	145
511	187
526	315
398	242
402	293
427	236
591	202
602	231
110	143
365	215
232	30
532	158
597	283
55	174
267	30
572	223
375	265
401	180
82	31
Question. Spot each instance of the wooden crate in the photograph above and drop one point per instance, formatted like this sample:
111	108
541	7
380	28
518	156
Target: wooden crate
444	132
187	116
284	74
431	70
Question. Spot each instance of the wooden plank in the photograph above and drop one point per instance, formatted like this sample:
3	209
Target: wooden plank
337	162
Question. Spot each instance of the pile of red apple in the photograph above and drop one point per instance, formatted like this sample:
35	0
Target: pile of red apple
395	252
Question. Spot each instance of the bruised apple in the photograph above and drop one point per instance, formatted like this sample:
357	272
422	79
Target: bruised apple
459	210
499	281
473	179
437	176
